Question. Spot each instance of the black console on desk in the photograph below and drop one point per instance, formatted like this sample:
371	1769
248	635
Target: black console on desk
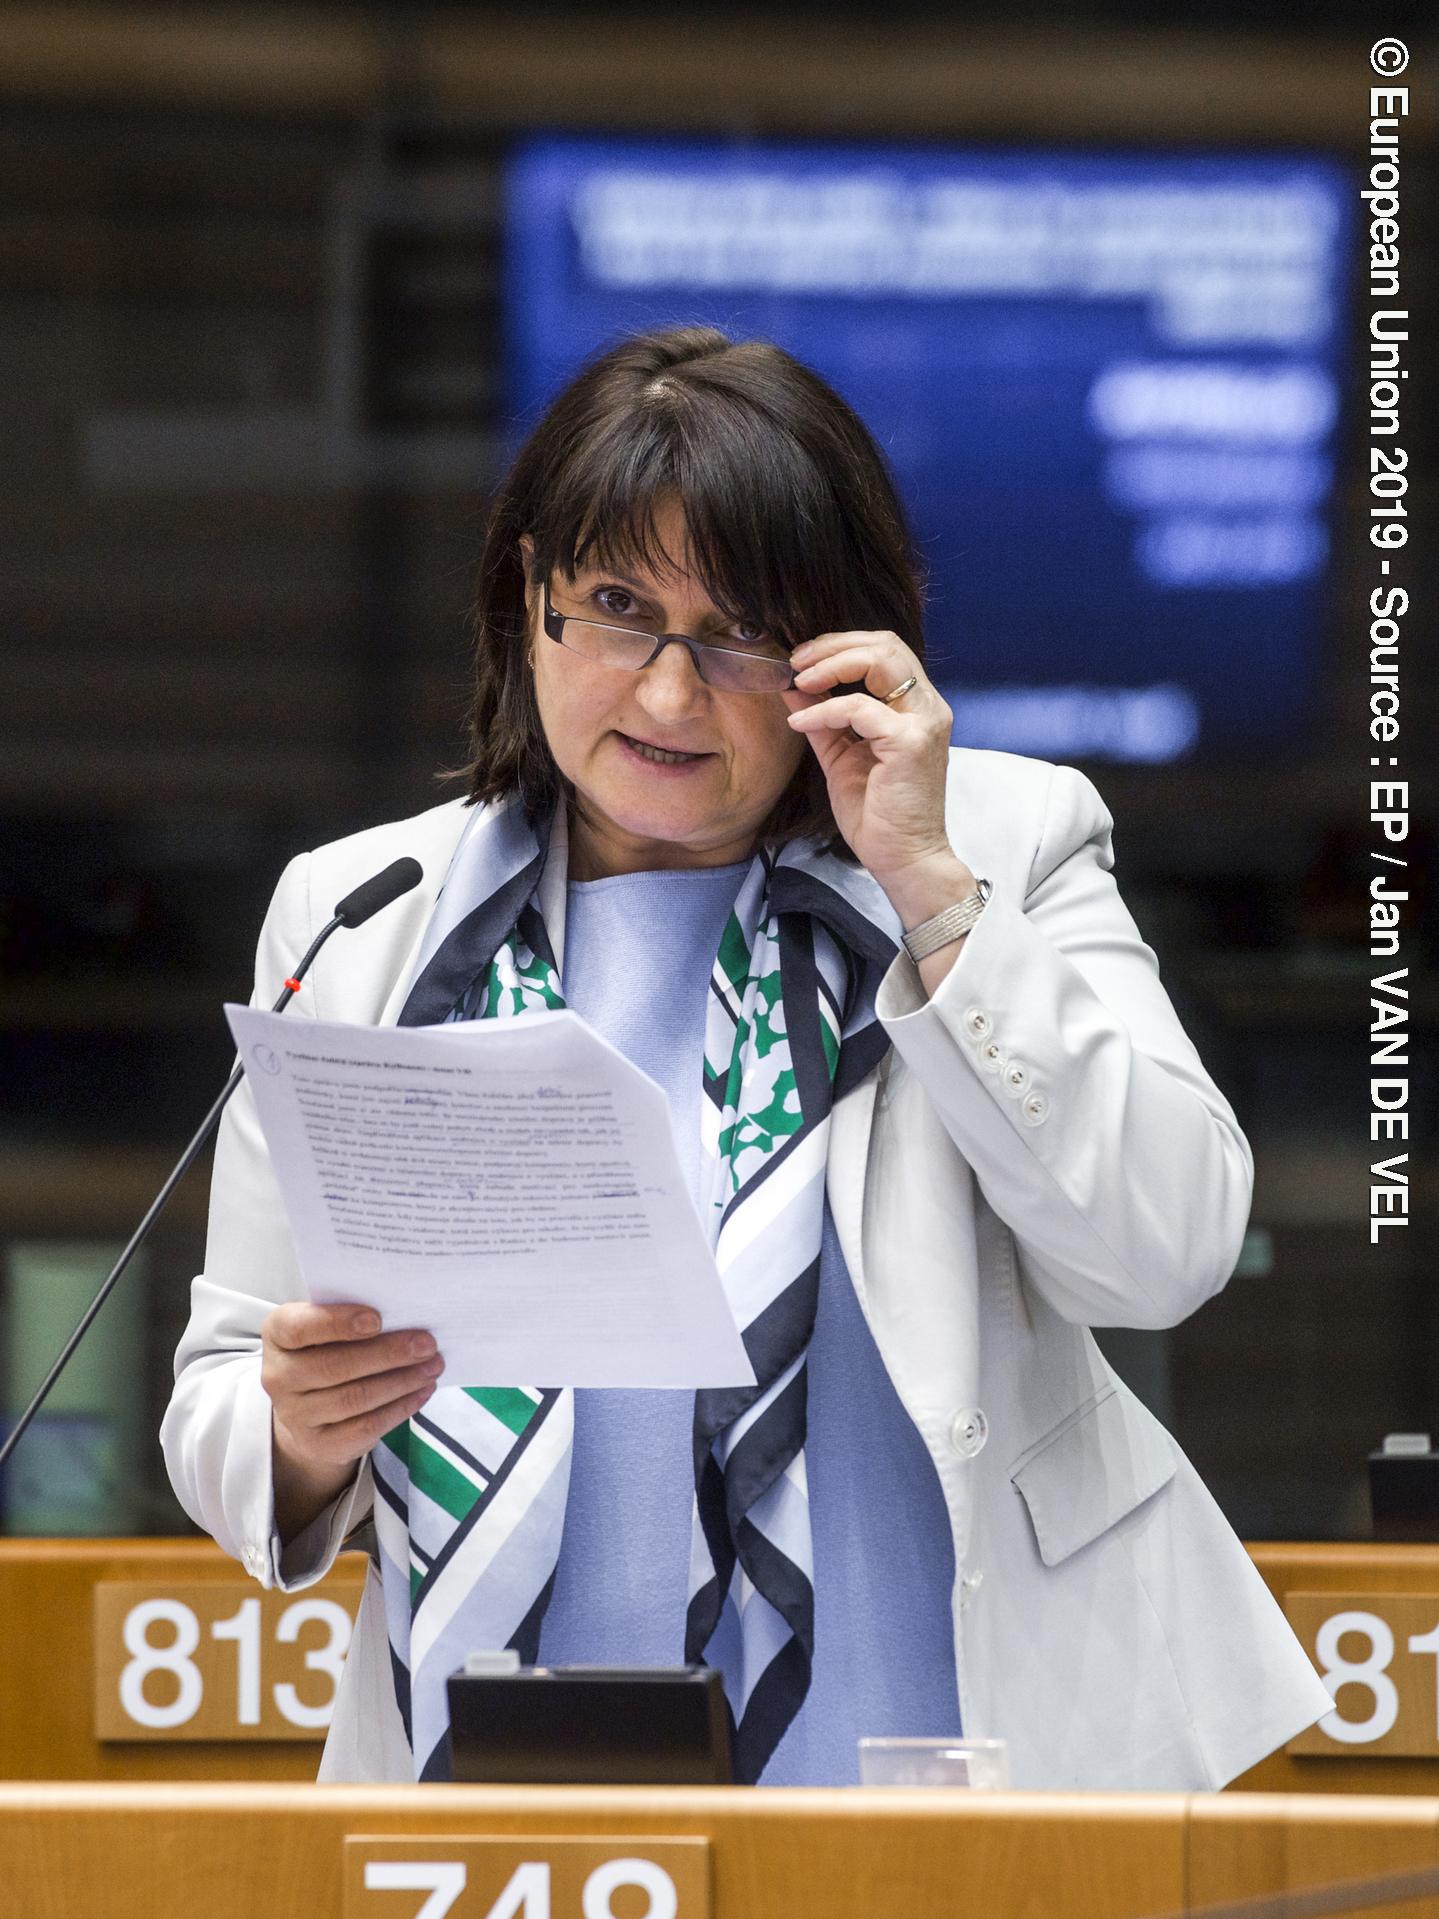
588	1725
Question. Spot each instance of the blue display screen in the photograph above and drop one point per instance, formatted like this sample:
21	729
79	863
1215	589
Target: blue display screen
1108	386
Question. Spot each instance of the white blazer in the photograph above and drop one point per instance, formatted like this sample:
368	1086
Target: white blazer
1040	1151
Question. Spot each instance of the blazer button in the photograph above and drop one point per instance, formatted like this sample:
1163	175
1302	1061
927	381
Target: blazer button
977	1022
991	1056
968	1431
254	1560
1015	1078
1034	1109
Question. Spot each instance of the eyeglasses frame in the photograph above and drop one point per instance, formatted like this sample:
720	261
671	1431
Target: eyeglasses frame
555	626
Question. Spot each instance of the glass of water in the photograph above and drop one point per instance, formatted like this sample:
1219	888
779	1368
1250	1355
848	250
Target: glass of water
980	1764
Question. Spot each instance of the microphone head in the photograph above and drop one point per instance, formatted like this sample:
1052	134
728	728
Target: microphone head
355	908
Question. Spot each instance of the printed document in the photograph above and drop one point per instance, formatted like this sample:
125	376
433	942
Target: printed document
510	1185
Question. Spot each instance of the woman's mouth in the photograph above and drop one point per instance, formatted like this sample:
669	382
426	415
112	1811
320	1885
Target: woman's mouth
658	755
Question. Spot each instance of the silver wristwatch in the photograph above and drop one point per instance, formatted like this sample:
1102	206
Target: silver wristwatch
933	933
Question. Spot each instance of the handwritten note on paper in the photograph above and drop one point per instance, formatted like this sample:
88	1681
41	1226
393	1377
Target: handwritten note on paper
511	1185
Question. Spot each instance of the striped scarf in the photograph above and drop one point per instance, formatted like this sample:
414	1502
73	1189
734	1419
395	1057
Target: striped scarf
470	1492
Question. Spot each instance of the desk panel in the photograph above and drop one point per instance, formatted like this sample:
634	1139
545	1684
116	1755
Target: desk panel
48	1661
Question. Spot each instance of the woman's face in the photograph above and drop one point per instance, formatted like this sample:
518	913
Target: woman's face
634	813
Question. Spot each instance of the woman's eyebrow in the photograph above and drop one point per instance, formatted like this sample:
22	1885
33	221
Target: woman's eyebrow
613	573
648	592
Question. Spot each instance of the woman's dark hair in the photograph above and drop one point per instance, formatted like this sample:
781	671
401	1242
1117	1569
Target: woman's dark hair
791	512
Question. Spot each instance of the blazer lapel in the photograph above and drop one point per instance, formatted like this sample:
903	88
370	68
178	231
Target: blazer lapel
850	1122
905	1210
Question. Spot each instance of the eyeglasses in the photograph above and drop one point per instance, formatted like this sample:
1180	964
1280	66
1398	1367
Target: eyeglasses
634	647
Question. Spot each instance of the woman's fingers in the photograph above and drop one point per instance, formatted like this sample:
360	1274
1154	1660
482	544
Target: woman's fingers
351	1439
319	1367
335	1389
334	1405
299	1323
884	765
871	719
886	667
308	1348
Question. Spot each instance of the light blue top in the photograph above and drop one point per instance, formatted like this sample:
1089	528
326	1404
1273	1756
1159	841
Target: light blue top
639	948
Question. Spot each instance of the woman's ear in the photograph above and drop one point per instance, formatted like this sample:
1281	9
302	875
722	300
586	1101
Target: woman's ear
527	562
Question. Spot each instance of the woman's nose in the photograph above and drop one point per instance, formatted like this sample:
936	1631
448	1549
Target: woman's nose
670	687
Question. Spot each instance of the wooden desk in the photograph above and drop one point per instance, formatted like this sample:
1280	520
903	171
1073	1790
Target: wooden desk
47	1661
228	1852
47	1716
1346	1568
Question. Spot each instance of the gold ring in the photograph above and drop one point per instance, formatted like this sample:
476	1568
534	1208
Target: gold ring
899	691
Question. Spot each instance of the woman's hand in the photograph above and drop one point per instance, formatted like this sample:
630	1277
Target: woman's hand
337	1385
885	765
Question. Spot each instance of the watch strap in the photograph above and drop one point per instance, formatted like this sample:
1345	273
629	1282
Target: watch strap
941	928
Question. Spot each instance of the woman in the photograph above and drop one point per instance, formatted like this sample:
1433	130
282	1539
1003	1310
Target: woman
930	1093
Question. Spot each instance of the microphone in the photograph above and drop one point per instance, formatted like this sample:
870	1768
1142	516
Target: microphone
366	900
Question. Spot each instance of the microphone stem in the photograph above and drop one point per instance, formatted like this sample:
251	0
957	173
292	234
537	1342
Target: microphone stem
157	1206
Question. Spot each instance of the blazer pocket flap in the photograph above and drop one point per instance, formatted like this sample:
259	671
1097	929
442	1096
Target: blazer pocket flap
1097	1466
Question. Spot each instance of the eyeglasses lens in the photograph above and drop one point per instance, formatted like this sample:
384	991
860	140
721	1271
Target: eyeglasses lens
733	671
609	644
